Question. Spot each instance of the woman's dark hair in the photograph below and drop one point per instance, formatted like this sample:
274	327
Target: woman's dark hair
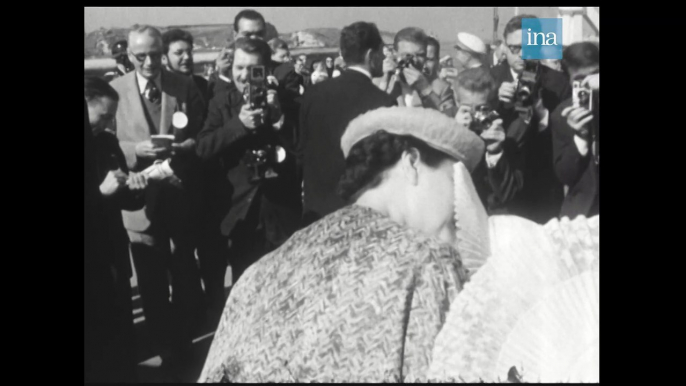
94	87
374	154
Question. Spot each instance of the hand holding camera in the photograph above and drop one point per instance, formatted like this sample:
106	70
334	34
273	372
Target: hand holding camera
578	119
592	81
147	150
250	118
415	78
494	136
507	91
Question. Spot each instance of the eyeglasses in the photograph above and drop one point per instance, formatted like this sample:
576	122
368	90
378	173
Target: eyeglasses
515	49
154	56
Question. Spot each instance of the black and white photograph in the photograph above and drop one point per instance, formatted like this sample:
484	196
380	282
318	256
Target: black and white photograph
341	194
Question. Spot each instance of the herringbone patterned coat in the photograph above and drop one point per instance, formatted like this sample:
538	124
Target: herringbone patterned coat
353	297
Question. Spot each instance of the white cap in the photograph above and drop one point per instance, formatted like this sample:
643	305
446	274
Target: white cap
471	43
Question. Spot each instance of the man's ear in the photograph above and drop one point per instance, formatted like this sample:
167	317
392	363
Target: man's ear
409	165
165	60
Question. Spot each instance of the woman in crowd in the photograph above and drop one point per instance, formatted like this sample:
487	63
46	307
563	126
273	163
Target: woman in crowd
361	294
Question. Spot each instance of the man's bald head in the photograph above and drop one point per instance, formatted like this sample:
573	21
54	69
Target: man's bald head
145	50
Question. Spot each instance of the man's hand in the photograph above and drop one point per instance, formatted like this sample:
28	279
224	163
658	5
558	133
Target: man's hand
147	150
415	79
186	146
115	180
578	119
223	62
506	91
250	118
592	81
137	181
464	116
494	137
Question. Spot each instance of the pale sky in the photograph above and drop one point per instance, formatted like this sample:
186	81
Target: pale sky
443	21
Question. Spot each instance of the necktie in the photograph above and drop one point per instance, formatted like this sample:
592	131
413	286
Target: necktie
152	93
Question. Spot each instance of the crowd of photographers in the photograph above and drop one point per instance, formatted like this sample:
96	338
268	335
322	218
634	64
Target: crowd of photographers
227	168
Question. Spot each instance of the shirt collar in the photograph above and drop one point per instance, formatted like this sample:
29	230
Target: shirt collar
142	82
361	70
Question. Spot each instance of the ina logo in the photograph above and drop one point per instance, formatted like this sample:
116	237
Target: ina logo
541	38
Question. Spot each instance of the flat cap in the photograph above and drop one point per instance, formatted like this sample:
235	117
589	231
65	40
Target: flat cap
471	43
431	126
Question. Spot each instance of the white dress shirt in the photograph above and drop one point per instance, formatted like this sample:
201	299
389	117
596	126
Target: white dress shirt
143	83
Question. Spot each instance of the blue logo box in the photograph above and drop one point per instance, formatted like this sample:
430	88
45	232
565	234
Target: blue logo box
541	38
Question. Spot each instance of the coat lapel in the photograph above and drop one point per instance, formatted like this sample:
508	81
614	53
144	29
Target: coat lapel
140	126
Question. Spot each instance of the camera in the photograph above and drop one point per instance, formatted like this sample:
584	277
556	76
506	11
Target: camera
263	160
483	118
581	96
405	62
255	92
527	86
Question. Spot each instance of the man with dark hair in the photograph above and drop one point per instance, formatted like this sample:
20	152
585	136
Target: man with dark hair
415	86
156	101
576	135
249	24
433	54
256	204
326	110
542	194
178	57
498	178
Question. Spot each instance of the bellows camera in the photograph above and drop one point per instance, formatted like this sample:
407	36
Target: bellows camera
581	96
527	85
483	118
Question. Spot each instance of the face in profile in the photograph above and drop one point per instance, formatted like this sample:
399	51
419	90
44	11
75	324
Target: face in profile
513	51
180	57
298	66
145	52
253	29
241	62
101	111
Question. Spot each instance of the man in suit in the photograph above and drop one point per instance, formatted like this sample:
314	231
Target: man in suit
416	86
498	178
542	194
178	58
150	96
257	205
576	135
326	110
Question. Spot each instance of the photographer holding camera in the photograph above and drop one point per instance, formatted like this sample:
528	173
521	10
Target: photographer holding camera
257	192
410	81
527	92
498	178
576	137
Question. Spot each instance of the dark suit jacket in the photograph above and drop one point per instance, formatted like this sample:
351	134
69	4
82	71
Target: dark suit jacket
499	187
110	157
580	173
203	87
179	93
326	110
224	139
215	86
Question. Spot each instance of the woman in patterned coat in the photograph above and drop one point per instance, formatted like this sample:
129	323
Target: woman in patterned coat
361	294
